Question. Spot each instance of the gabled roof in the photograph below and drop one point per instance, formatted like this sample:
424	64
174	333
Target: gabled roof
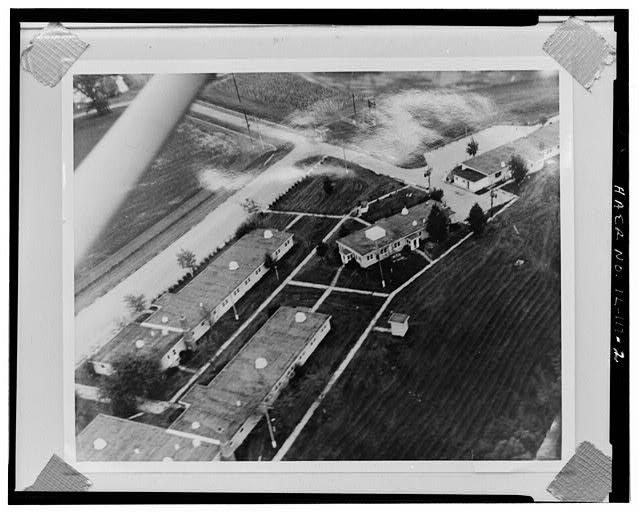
108	438
396	227
219	409
213	284
530	147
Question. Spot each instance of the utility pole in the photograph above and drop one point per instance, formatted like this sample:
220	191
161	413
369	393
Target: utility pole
233	76
271	436
492	195
344	155
353	98
380	266
427	174
235	312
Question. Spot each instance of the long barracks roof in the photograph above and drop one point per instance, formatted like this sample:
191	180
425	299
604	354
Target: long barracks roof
219	409
530	147
137	340
108	438
396	227
213	284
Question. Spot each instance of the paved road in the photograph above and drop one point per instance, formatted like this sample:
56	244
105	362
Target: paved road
96	323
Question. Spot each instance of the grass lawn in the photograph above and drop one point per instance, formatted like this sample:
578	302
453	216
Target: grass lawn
396	270
393	204
86	410
350	314
348	189
478	373
322	270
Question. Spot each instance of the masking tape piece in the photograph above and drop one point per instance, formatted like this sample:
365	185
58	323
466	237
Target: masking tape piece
580	50
585	478
51	53
57	475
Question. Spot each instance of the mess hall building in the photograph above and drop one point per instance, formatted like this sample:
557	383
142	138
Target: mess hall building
492	167
229	407
389	235
108	439
178	320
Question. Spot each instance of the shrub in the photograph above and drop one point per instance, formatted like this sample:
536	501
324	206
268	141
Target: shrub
477	219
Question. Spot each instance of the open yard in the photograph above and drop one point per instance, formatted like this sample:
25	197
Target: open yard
350	314
478	374
334	187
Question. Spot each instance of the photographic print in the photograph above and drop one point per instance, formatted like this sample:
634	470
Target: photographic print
318	266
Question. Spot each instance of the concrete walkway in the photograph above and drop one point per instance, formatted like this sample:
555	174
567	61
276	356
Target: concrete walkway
339	289
329	289
286	446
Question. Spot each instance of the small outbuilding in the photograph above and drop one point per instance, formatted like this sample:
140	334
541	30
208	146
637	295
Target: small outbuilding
399	323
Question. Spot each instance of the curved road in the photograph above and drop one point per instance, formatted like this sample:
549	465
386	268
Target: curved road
95	324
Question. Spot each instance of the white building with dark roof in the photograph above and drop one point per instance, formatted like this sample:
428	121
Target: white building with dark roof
178	320
108	438
389	235
229	407
492	167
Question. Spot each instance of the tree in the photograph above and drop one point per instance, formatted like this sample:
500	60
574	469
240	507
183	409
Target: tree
321	249
437	224
136	304
250	206
518	168
477	219
543	120
327	185
269	262
187	260
134	377
437	195
92	86
472	147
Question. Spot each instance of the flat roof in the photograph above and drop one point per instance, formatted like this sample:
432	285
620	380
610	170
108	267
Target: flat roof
219	409
126	440
213	284
398	317
396	227
469	174
137	340
529	147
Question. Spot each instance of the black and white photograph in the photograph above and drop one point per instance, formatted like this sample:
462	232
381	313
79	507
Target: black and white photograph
317	266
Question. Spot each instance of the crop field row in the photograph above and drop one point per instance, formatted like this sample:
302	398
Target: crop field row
465	382
349	183
349	317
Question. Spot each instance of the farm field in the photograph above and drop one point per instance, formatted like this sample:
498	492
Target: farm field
201	166
478	374
347	188
413	113
349	317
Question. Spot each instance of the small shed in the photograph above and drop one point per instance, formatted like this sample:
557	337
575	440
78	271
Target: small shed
399	323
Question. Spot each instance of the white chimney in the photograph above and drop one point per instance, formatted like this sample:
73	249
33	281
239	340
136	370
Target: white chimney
268	234
300	317
404	211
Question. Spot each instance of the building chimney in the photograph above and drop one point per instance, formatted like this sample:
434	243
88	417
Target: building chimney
188	334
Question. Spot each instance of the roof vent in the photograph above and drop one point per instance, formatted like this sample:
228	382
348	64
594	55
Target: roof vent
137	451
165	319
404	211
414	223
176	447
196	443
233	265
99	444
374	233
167	459
238	403
165	331
139	343
502	164
195	425
301	317
261	363
268	234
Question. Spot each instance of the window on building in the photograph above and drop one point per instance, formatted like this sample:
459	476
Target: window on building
498	174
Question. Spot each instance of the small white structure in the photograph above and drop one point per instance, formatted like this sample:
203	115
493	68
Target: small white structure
399	323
